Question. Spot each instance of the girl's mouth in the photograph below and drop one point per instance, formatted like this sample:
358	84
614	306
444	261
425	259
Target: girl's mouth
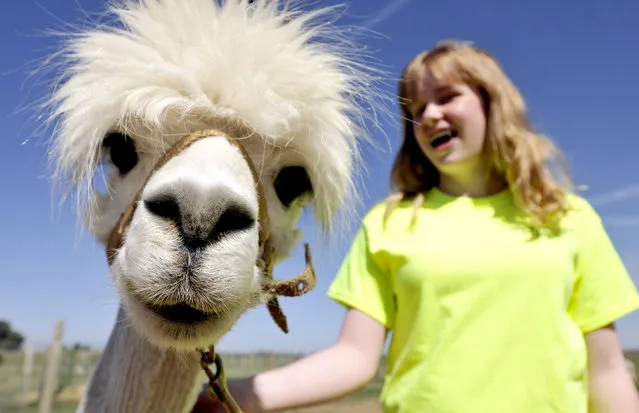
442	139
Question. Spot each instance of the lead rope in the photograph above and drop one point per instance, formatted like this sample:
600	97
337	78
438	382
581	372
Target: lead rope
217	381
298	285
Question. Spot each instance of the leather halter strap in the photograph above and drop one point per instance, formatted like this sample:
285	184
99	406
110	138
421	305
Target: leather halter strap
296	286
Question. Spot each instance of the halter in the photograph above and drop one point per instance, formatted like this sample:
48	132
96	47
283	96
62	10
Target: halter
296	286
293	287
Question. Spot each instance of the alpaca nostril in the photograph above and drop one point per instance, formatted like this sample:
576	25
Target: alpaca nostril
194	244
202	226
234	219
164	206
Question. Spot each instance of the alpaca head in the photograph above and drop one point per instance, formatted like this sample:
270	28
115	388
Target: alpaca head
282	100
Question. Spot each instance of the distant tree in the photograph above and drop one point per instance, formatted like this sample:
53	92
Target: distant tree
80	346
9	339
5	328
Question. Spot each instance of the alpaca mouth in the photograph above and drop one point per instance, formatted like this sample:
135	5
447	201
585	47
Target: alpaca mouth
182	313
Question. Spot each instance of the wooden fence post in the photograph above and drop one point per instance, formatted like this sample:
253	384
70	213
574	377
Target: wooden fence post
27	374
271	360
52	370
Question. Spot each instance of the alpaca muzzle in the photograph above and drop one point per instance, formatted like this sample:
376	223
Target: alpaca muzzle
296	286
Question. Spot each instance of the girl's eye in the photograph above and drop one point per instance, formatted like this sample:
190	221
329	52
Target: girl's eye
446	98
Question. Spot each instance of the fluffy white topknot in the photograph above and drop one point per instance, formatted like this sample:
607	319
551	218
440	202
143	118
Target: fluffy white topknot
290	75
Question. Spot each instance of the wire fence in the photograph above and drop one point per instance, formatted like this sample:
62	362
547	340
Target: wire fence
23	376
53	381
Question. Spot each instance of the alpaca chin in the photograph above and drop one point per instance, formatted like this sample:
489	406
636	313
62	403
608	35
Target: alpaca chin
177	336
197	334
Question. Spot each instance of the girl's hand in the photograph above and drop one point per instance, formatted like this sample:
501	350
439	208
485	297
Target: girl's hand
241	391
318	378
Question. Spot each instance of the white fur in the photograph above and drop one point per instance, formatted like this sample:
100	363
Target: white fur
183	64
287	81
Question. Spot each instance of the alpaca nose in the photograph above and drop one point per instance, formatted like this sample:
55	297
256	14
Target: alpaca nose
201	225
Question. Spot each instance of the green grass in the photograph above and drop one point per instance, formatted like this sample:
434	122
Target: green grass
236	365
77	367
74	370
373	389
59	407
633	356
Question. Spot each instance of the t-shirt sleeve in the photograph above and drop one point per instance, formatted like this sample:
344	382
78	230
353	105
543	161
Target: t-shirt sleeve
361	282
604	291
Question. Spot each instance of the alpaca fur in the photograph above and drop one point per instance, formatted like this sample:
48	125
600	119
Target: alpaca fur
288	83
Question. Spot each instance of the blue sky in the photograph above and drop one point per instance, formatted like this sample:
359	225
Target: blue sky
575	67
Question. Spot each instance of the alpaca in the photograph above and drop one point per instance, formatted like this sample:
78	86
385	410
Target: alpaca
216	123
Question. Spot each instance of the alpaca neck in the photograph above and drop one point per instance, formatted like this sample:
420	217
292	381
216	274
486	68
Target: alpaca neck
133	376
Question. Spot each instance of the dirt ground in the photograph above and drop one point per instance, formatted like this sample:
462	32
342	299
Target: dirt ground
367	405
364	405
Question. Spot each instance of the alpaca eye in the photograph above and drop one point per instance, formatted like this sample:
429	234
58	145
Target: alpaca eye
290	183
122	151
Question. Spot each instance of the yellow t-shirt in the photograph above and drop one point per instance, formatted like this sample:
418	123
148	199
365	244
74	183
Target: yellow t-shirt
485	318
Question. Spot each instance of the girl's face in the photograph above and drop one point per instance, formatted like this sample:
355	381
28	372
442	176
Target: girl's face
449	124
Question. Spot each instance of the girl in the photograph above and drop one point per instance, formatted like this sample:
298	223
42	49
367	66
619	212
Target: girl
499	285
